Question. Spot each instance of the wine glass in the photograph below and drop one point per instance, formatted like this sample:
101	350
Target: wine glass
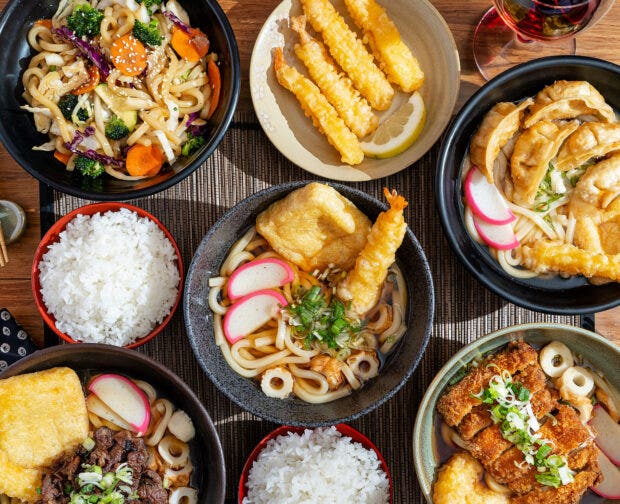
514	31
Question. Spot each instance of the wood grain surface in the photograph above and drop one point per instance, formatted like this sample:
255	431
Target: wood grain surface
247	17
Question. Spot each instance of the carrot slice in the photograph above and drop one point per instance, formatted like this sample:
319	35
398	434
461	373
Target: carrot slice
128	55
144	160
87	87
190	46
216	86
62	157
44	22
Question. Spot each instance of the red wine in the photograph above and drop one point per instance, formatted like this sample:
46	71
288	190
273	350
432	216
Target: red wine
546	19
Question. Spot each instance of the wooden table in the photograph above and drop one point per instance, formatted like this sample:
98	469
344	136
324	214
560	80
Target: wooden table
247	17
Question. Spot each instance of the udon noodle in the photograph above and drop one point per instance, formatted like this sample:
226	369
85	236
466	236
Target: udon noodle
165	105
282	359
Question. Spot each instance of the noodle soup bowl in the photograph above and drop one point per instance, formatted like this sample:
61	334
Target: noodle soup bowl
206	455
246	392
551	294
430	452
19	135
53	236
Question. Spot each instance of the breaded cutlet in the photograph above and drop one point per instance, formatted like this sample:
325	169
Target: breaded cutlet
488	445
565	494
457	402
532	378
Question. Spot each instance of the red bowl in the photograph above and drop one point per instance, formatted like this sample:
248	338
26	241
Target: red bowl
52	236
344	429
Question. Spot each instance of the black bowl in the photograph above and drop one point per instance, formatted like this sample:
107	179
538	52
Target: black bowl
207	457
246	392
573	295
18	133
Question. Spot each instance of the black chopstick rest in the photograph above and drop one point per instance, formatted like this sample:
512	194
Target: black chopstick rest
14	341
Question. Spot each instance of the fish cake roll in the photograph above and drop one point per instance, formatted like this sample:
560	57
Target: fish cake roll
349	52
336	87
380	32
316	107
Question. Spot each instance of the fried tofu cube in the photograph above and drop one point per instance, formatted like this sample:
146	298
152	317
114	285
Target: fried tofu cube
314	227
42	415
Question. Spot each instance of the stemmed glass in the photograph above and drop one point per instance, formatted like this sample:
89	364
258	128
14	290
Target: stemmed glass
514	31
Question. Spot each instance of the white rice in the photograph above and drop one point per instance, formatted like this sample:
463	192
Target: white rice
319	466
110	278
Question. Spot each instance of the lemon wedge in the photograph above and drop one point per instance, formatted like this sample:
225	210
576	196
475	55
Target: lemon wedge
399	131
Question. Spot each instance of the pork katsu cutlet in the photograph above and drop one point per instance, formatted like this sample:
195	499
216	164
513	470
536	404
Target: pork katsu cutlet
510	418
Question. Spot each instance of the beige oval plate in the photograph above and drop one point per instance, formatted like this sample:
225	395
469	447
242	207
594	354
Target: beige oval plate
422	29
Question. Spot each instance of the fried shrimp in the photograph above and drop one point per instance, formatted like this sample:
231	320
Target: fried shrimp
546	256
380	32
317	108
336	87
350	53
363	283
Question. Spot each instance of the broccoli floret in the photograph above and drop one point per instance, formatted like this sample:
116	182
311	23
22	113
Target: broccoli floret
89	167
66	104
193	144
85	21
116	129
147	33
150	3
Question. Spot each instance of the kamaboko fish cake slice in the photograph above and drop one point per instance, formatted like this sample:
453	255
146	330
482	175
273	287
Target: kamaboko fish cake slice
316	107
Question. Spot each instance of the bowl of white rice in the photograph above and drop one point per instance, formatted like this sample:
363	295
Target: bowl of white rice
107	273
337	464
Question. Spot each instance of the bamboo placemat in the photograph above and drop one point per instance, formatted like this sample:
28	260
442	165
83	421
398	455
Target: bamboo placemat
245	163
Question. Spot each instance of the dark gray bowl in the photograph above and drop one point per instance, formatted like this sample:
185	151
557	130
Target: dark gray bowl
246	392
573	295
19	136
207	456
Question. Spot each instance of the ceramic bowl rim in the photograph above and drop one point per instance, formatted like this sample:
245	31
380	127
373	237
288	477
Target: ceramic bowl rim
442	199
193	165
426	408
20	366
214	378
343	428
59	226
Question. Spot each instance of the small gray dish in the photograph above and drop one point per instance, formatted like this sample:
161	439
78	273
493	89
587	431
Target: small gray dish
602	354
209	475
246	392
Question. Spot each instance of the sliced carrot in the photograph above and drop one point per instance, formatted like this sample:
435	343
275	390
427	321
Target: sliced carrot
62	157
88	86
44	22
190	46
128	55
144	160
216	86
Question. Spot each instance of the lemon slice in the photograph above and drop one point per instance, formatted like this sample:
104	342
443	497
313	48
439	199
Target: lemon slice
12	220
399	131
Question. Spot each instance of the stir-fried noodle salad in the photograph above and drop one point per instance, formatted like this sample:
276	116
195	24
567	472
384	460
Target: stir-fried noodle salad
120	86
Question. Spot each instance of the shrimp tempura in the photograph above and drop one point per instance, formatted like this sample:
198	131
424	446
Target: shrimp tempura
350	53
317	108
380	32
336	87
364	282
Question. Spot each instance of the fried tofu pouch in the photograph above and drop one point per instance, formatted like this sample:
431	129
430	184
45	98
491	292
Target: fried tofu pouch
314	227
17	481
42	415
459	482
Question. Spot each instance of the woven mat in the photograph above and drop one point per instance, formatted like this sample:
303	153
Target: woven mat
245	163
